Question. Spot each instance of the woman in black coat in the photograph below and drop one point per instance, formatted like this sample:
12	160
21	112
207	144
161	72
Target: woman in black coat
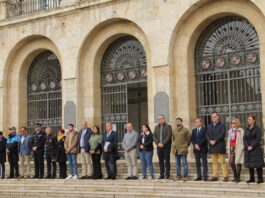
253	155
2	153
145	142
61	157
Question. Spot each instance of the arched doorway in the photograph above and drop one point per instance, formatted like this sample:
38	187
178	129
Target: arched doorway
228	70
124	84
44	91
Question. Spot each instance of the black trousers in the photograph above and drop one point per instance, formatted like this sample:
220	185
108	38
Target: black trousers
97	173
236	168
164	160
201	158
259	174
3	168
62	170
13	162
110	163
51	164
39	164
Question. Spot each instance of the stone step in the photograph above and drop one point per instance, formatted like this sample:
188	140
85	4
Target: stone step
121	188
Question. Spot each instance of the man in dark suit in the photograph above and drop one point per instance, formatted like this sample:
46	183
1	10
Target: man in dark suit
38	142
110	148
216	133
84	148
199	141
163	140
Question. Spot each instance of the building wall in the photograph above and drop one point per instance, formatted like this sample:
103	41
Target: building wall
80	31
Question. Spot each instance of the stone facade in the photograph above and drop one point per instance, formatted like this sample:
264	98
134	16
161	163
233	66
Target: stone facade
79	31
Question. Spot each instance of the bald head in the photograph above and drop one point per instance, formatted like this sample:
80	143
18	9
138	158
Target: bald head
84	124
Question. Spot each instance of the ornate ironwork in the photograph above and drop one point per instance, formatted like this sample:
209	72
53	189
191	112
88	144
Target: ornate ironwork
21	7
123	63
228	70
44	91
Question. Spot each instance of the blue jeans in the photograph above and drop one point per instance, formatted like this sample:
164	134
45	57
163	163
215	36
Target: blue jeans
185	165
146	159
72	163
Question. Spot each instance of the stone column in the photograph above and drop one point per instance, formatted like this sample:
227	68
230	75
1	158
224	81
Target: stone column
3	9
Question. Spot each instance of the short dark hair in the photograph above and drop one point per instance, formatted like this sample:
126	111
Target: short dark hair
199	118
1	133
215	113
61	130
25	128
70	125
180	119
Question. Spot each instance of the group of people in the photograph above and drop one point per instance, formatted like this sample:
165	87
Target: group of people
241	146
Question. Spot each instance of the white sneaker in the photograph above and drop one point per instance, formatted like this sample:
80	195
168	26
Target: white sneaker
75	177
150	177
69	177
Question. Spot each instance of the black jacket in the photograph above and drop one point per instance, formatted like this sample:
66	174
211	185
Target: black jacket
217	133
253	158
148	142
60	151
3	150
200	139
113	141
50	144
38	140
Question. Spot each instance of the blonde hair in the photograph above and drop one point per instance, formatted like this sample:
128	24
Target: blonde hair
237	122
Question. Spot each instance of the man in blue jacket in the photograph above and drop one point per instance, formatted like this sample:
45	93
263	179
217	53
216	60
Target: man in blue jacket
12	152
24	153
110	148
84	148
200	149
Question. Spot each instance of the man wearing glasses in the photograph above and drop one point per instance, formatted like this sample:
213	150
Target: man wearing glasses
163	140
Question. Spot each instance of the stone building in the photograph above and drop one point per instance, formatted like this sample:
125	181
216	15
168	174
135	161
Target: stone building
65	61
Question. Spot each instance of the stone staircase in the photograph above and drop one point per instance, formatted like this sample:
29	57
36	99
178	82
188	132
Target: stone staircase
122	170
29	188
129	189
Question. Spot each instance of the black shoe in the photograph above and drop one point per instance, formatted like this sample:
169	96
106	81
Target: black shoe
167	177
113	178
41	177
88	177
83	177
260	181
3	177
198	179
160	177
35	177
10	177
205	178
134	178
107	178
250	181
128	178
214	179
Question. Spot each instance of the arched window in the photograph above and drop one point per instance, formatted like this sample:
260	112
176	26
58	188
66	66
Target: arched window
228	70
123	84
44	91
